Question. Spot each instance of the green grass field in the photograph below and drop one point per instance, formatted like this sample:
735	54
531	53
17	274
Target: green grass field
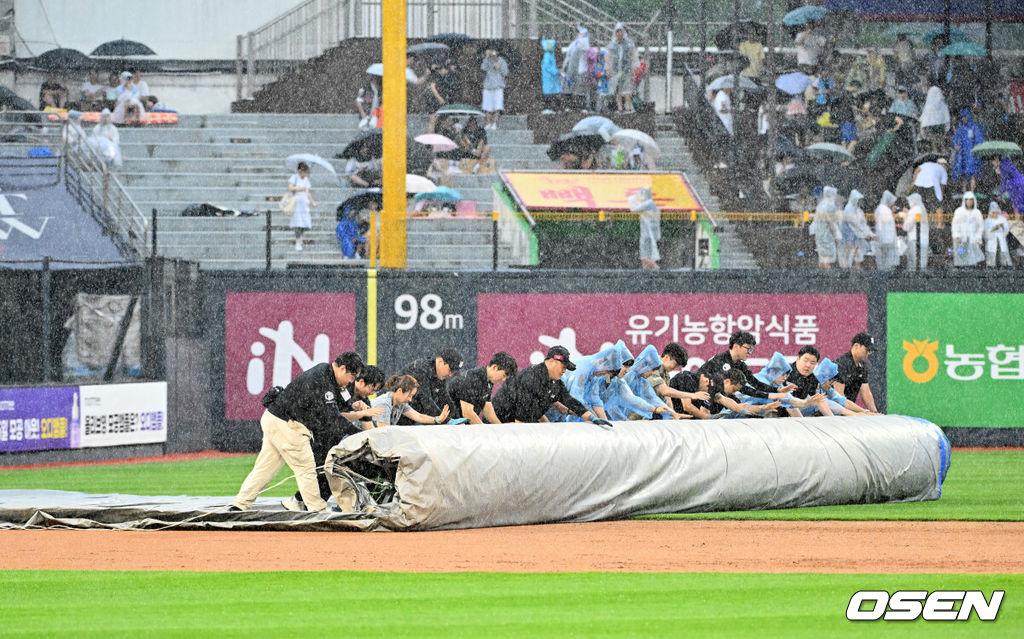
980	486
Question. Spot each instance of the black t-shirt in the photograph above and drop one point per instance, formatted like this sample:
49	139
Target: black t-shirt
313	399
686	382
851	374
433	392
471	387
716	387
716	367
806	385
528	395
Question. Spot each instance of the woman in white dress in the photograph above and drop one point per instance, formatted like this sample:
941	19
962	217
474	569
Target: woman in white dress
299	186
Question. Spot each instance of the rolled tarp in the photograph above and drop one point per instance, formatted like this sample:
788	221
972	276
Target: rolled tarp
468	476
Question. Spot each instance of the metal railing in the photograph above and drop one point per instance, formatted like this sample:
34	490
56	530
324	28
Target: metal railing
97	190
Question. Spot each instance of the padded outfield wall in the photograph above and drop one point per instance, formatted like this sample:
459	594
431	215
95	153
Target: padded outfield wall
270	326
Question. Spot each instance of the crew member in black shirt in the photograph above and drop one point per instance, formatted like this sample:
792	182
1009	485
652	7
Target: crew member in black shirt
741	346
432	374
852	380
801	375
723	391
691	382
470	391
305	410
532	392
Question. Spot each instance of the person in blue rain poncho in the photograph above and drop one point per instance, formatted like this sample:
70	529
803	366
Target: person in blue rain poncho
965	164
551	84
588	381
826	372
630	396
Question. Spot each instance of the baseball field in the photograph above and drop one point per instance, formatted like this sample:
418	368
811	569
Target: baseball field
784	573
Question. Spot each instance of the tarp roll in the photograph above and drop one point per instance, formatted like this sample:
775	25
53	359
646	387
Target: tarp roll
496	475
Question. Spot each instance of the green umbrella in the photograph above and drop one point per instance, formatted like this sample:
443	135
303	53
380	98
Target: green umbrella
996	147
964	49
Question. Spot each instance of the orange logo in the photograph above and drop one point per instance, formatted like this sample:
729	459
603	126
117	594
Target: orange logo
925	349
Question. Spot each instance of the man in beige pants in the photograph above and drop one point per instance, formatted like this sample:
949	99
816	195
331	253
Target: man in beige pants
306	409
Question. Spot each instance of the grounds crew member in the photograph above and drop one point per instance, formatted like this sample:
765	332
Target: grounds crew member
741	346
354	405
534	390
470	391
852	380
305	410
432	374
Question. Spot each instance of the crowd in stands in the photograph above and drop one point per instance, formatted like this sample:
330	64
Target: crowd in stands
865	131
126	95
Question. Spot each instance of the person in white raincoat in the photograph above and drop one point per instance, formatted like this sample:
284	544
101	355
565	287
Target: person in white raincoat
915	223
886	254
853	232
935	118
575	68
73	134
997	225
106	141
825	227
968	230
642	202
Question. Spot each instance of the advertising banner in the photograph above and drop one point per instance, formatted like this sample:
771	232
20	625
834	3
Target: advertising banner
269	338
119	414
599	191
38	418
956	359
526	325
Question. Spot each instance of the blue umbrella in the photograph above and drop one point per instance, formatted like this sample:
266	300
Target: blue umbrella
793	83
440	194
963	49
803	15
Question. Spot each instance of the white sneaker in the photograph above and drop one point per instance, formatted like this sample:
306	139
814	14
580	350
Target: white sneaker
298	245
293	505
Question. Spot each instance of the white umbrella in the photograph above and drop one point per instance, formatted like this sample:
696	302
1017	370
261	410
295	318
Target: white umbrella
418	184
726	82
378	70
292	162
597	124
437	141
630	137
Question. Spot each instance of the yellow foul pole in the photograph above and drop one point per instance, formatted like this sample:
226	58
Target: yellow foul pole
392	228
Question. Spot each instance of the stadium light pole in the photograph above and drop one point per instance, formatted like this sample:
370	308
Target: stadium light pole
393	215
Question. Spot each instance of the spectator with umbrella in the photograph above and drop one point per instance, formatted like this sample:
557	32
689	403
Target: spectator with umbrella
300	187
1011	182
473	142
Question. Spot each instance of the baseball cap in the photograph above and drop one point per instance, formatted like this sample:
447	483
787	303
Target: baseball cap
452	357
561	353
865	340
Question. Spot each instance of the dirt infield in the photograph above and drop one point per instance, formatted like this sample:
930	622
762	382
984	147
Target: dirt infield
633	546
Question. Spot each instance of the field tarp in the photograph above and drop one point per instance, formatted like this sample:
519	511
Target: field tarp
444	477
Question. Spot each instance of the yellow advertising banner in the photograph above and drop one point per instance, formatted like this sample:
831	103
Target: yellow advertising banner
599	191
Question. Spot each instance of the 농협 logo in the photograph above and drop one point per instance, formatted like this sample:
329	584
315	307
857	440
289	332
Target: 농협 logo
920	348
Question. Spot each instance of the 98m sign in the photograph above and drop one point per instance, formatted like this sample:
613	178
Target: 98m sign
427	312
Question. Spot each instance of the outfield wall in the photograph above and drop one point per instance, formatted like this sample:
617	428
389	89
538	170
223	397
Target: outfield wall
269	325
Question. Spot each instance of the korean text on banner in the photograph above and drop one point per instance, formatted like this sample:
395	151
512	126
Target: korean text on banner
269	338
121	414
956	359
526	325
38	418
600	191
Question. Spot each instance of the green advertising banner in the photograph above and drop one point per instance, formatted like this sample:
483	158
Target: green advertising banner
956	359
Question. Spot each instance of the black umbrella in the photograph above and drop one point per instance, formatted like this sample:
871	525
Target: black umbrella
13	100
62	60
372	141
786	147
504	49
731	36
122	47
370	198
451	39
575	142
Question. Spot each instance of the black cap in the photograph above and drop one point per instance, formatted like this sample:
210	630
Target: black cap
452	357
865	340
561	353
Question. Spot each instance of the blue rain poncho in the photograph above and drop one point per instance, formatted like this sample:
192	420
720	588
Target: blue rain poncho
621	398
584	384
550	83
823	372
776	366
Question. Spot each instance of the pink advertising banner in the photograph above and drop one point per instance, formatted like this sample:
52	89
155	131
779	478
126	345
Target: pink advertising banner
269	338
526	325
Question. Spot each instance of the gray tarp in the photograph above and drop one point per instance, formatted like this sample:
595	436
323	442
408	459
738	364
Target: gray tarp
476	476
